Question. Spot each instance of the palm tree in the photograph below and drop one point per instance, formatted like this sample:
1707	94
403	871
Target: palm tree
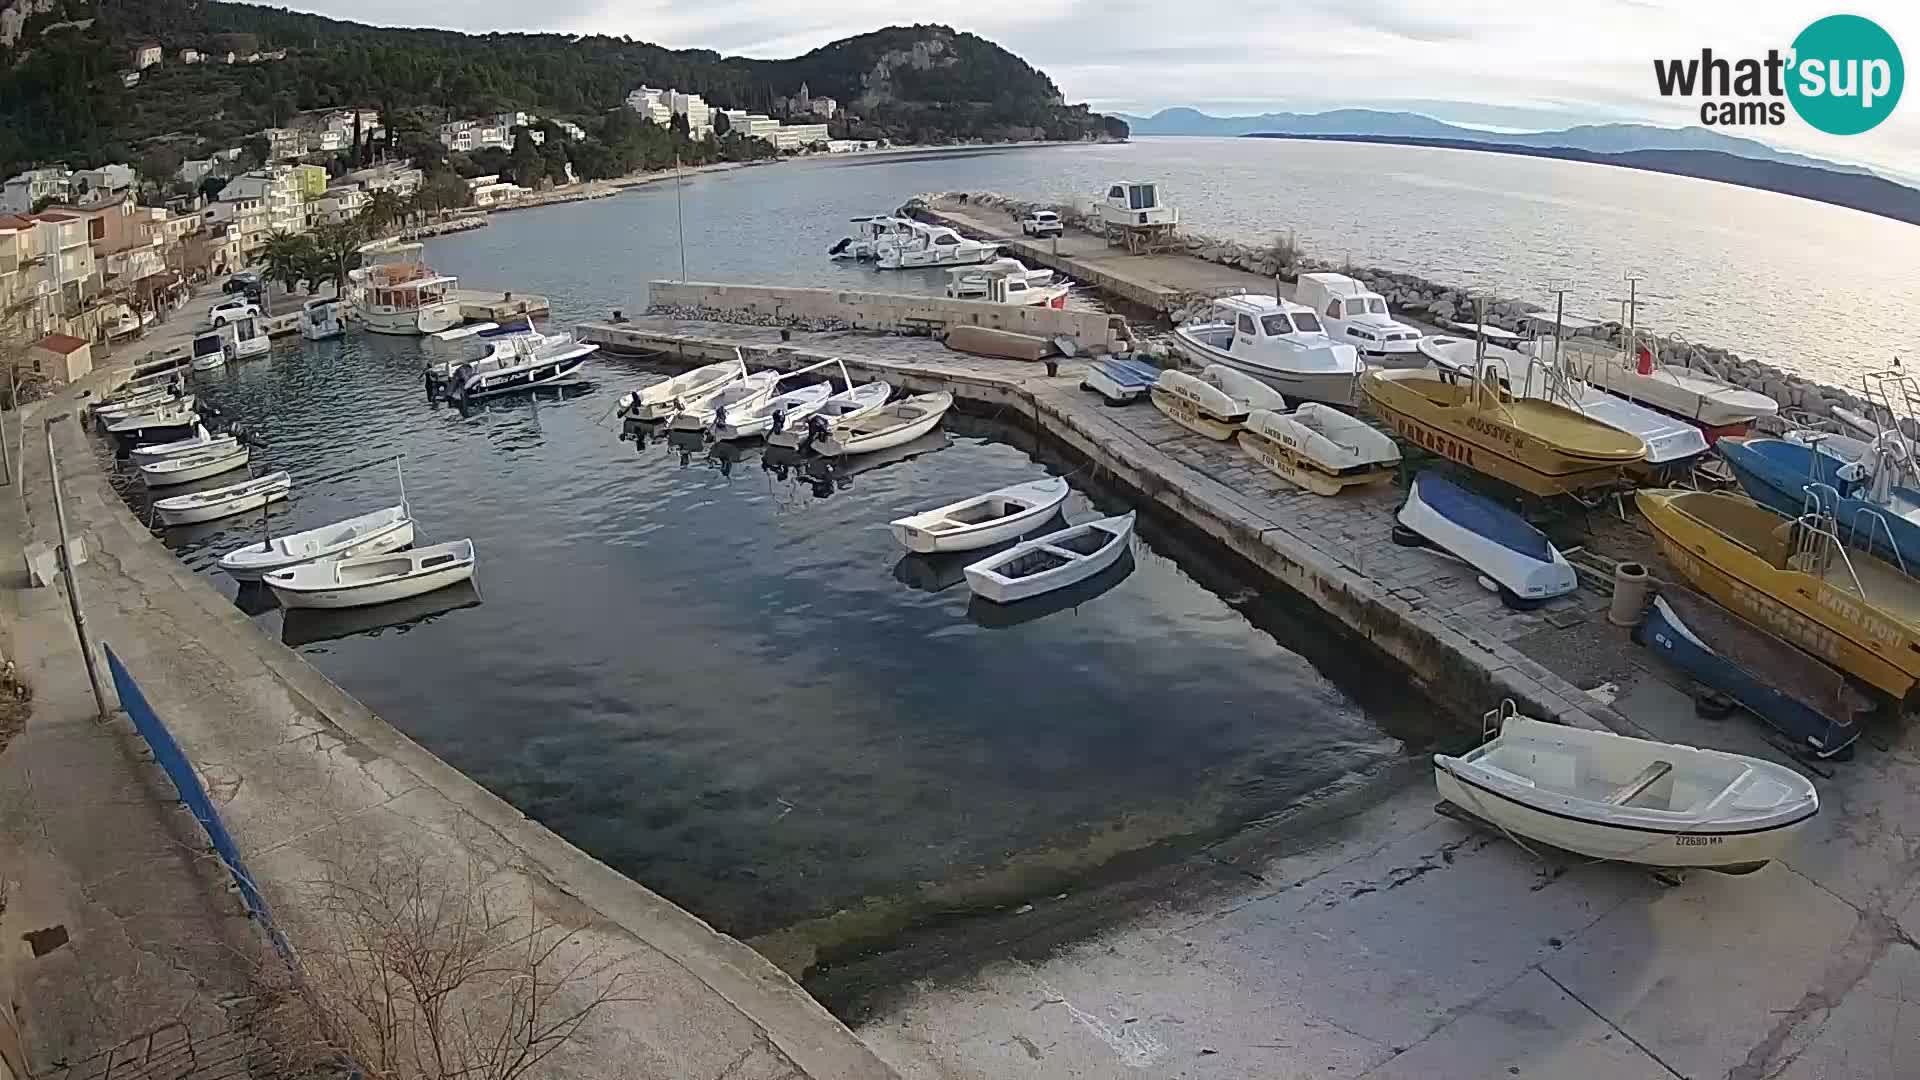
286	256
383	209
337	248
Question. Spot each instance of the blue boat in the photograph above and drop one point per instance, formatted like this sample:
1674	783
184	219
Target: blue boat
1120	381
1488	537
1723	652
1781	474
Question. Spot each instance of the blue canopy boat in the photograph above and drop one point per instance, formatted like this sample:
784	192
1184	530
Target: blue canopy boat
1789	477
1488	537
1120	381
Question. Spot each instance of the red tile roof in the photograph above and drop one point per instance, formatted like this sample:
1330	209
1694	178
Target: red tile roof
15	221
61	343
53	216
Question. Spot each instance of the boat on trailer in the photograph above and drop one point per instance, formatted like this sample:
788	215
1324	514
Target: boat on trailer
368	534
216	503
1319	448
1120	381
850	404
363	580
983	520
1623	799
1488	537
1050	562
886	427
1279	342
1215	402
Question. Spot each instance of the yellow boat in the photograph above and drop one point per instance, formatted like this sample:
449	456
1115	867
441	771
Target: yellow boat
1535	445
1794	578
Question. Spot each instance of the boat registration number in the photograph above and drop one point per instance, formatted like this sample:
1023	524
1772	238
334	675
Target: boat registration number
1698	841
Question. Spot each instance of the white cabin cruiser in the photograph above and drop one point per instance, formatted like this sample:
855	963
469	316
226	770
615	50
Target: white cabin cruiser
970	282
398	293
1358	316
246	337
1278	342
868	233
1008	281
515	362
924	245
320	319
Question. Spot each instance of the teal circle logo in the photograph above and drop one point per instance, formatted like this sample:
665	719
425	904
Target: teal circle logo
1846	75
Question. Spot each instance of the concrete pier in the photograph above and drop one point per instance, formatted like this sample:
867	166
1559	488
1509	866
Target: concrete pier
487	305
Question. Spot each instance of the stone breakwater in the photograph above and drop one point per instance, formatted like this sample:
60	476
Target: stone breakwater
1420	299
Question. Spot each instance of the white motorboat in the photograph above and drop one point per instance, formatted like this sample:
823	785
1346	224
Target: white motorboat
320	319
1119	381
1609	796
369	534
1051	562
246	337
967	282
398	293
1357	315
744	394
1319	448
669	396
186	468
885	427
200	440
225	501
155	393
1278	342
209	351
361	580
146	403
157	425
1693	395
849	404
777	413
1215	402
923	245
983	520
869	233
1488	537
1007	281
517	362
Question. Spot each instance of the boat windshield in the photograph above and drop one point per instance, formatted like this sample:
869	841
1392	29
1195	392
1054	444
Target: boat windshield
1376	305
1276	325
1308	322
208	345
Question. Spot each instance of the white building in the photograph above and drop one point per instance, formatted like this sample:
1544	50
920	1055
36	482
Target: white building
652	105
262	202
695	108
574	131
337	207
797	136
190	56
466	136
826	107
20	193
497	193
145	56
285	143
105	178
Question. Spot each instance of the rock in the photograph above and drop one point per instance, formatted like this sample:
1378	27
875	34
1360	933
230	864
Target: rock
1440	309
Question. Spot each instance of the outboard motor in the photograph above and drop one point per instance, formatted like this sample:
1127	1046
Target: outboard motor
817	428
779	421
841	246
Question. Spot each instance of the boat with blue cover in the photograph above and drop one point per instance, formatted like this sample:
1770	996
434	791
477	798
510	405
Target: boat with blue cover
1874	510
1119	381
1488	537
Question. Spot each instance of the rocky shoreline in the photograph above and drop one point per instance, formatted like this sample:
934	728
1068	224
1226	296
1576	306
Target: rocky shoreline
1421	299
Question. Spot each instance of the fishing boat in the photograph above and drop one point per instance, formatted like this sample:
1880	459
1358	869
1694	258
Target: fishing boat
164	424
921	245
777	413
1877	510
848	404
1050	562
669	396
1319	448
368	534
398	293
1490	538
1794	577
1357	315
226	501
869	232
200	440
186	468
1610	796
1805	700
1008	281
1119	381
983	520
1537	446
361	580
745	394
1277	341
1215	402
160	390
1711	402
320	319
888	426
209	351
517	362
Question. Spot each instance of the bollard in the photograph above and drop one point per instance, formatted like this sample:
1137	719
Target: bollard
1631	586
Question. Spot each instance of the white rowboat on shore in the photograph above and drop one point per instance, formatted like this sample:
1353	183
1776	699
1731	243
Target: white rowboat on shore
373	579
225	501
369	534
983	520
1050	562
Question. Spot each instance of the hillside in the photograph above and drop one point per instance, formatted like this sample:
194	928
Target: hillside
61	97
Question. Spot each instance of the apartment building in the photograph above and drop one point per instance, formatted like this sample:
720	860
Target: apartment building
19	194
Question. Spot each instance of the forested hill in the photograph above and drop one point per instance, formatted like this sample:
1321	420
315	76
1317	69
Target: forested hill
62	98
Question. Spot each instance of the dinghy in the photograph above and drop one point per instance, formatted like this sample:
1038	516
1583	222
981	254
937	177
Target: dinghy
1119	381
373	579
186	468
225	501
159	399
1798	696
744	394
159	425
1609	796
1215	402
201	439
850	404
1488	537
1319	448
777	413
369	534
983	520
1051	562
888	426
669	396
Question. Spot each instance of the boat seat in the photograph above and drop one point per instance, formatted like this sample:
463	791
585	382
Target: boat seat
1638	786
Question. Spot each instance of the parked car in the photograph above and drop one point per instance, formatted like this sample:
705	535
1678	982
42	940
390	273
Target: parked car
244	281
227	311
1042	223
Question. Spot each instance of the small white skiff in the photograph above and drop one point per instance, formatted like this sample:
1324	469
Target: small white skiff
373	579
744	394
225	501
186	468
1319	448
369	534
849	404
163	403
1609	796
158	420
777	413
983	520
1215	402
888	426
1051	562
663	399
200	440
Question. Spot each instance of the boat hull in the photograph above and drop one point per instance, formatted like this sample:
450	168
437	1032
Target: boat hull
841	443
1042	502
384	592
1490	538
526	378
1120	381
1285	446
194	515
411	322
684	391
1001	590
1777	473
1326	387
393	538
157	476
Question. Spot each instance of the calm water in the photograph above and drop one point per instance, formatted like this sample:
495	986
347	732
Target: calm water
1817	289
721	676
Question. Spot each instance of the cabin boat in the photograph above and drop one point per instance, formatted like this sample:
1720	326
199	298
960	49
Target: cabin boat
1714	404
923	245
209	351
368	534
1793	576
1215	402
320	319
1050	562
850	404
245	338
1278	342
1135	204
1613	797
977	282
363	580
982	521
1358	316
869	233
216	503
517	362
398	293
1319	448
1492	539
1537	446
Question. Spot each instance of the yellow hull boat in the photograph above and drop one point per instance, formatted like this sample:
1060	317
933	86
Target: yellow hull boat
1795	579
1535	445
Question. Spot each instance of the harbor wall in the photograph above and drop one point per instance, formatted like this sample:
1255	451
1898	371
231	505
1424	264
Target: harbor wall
840	309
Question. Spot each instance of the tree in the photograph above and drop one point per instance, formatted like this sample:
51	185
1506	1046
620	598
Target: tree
527	166
158	165
255	150
288	258
211	185
383	209
337	249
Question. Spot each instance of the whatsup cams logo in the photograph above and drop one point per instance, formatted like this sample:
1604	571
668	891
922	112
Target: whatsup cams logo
1843	75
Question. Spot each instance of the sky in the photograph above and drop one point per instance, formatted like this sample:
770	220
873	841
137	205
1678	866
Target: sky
1506	64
